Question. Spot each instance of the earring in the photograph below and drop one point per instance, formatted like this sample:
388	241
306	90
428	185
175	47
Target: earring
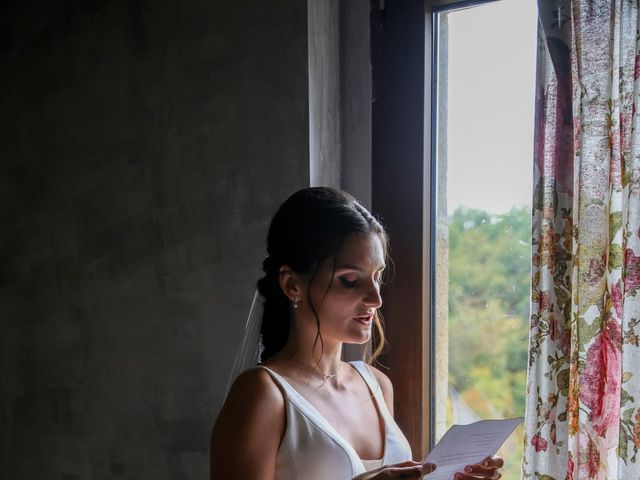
294	302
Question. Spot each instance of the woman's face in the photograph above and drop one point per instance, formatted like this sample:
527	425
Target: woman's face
347	298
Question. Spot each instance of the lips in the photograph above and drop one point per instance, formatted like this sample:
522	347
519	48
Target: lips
365	319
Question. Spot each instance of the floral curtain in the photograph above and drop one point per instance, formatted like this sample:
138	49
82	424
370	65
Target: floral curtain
583	407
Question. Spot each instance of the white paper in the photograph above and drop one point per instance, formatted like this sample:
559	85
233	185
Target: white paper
464	445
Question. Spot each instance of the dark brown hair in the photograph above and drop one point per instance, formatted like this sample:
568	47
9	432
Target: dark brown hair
311	226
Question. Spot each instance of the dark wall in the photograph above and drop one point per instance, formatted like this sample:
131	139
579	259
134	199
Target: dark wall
143	147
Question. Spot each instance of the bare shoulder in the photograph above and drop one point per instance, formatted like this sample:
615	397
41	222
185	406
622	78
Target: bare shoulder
385	386
256	385
253	394
248	431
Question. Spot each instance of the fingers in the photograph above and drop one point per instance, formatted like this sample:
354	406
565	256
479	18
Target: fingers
487	469
412	474
428	468
493	461
408	463
414	471
406	470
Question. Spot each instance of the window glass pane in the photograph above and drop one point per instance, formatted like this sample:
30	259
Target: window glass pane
485	112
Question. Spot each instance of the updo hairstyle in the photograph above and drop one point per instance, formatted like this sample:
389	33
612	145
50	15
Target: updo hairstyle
311	226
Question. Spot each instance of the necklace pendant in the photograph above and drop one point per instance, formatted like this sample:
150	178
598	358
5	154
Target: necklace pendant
314	369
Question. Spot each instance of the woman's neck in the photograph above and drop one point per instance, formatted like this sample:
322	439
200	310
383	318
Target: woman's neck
324	359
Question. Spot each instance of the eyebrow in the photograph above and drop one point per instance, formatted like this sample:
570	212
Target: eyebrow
353	267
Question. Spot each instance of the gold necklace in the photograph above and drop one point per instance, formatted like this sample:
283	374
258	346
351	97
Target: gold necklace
325	378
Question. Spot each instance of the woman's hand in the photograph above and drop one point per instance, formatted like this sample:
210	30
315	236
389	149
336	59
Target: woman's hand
398	470
489	468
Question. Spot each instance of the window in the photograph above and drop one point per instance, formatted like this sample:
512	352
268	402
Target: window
484	111
418	303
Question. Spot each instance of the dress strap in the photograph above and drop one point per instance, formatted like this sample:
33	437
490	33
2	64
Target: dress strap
368	376
280	381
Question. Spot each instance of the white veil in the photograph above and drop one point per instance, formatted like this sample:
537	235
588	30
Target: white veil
250	349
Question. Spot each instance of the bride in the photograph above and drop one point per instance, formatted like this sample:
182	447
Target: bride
303	413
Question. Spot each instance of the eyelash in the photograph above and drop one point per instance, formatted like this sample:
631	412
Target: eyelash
352	283
347	283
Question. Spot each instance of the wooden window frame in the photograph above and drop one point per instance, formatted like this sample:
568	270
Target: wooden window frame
403	196
401	186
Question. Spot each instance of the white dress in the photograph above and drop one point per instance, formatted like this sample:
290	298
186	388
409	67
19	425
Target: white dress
312	449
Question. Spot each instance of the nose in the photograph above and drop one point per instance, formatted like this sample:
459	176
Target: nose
373	297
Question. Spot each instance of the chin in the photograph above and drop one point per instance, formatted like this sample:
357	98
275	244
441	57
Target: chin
359	339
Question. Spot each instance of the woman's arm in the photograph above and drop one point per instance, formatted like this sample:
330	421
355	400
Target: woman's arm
249	429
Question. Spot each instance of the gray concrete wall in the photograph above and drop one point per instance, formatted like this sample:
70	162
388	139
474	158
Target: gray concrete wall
355	99
340	95
143	147
324	92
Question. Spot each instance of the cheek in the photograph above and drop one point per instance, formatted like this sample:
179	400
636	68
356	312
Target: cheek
337	302
341	303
